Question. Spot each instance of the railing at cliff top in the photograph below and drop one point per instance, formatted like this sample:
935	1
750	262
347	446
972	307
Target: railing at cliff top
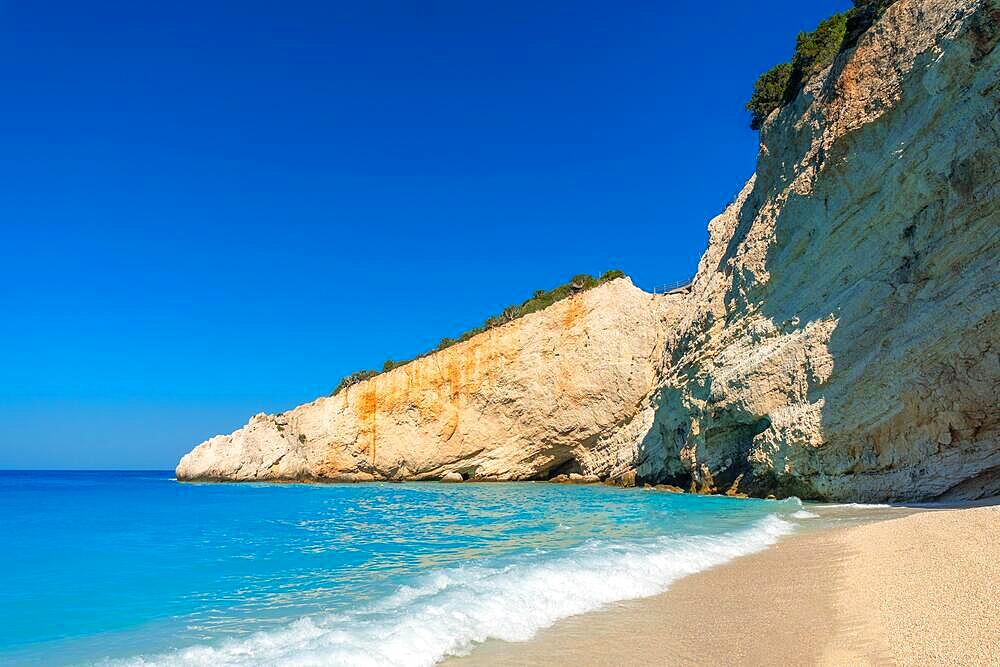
678	286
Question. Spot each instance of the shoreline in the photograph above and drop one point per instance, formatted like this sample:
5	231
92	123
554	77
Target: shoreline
923	588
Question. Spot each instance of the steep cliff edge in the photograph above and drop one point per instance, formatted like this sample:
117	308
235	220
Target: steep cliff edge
555	391
840	340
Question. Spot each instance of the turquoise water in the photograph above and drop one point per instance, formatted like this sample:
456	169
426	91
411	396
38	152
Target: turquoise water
134	567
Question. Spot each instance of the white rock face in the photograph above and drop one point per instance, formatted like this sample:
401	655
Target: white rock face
840	340
842	335
554	391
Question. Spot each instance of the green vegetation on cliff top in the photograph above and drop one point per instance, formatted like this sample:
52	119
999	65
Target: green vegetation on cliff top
814	51
540	300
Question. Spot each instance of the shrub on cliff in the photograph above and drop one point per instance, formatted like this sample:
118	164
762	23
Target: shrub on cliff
613	274
817	49
354	378
768	93
814	51
780	84
539	300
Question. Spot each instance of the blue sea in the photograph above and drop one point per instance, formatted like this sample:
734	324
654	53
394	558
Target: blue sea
136	568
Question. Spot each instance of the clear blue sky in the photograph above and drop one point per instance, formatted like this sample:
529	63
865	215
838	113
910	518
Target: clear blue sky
215	209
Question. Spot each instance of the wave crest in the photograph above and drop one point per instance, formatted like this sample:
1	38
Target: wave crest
449	611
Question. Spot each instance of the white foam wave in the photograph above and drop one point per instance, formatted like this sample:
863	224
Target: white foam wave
861	506
784	503
452	609
804	514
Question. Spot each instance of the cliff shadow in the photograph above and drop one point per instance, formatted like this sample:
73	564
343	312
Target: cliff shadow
897	243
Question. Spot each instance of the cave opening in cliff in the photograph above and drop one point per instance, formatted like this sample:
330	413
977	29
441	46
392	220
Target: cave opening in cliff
564	466
733	434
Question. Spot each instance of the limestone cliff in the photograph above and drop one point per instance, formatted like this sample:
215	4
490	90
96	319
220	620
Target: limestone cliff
839	341
842	337
555	391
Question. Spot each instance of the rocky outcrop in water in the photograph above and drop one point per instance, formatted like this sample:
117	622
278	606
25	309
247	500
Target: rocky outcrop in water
839	341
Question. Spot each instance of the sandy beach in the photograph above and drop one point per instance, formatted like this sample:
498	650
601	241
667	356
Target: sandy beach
923	589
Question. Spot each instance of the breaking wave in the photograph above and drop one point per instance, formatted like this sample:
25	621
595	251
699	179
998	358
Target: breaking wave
447	611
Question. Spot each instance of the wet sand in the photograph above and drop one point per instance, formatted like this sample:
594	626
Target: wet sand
923	589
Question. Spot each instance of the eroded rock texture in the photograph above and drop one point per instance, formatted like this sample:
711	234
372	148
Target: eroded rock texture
553	392
840	340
